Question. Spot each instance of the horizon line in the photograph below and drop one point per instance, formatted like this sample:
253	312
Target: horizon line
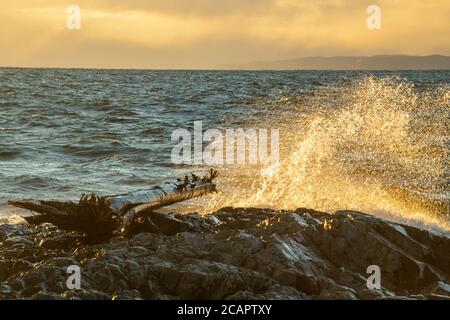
241	66
218	69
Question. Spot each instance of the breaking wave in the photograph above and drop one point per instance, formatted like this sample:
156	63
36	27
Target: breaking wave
376	145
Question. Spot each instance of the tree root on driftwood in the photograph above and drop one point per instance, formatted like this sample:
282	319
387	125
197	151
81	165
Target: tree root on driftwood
99	217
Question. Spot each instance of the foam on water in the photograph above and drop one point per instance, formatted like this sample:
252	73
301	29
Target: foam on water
377	145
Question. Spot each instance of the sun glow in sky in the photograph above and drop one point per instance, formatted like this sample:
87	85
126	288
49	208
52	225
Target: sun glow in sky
214	33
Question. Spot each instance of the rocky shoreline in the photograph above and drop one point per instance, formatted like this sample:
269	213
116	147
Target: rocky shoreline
235	253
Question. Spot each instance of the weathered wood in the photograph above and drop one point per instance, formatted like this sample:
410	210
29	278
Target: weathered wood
100	216
131	206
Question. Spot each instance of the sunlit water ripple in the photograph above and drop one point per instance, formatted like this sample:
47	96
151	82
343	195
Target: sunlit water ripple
375	142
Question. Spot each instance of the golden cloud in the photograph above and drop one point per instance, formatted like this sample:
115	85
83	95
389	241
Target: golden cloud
206	33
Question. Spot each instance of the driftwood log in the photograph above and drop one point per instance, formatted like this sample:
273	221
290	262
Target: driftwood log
99	217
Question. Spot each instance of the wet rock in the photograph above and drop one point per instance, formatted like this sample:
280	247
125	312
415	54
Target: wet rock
17	242
440	288
41	295
232	254
373	294
5	289
127	295
59	241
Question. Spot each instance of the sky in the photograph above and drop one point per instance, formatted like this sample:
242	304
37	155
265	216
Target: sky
213	33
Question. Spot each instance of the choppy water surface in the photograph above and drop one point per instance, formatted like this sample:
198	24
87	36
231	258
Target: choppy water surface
375	142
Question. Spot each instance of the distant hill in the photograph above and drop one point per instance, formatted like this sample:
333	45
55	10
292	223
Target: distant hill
380	62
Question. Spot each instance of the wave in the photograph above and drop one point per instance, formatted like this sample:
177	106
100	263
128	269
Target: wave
34	181
363	146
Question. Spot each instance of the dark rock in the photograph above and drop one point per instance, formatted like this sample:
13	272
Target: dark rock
41	295
232	254
5	289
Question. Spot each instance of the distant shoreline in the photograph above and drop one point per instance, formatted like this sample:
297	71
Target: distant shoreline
353	63
316	63
225	70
